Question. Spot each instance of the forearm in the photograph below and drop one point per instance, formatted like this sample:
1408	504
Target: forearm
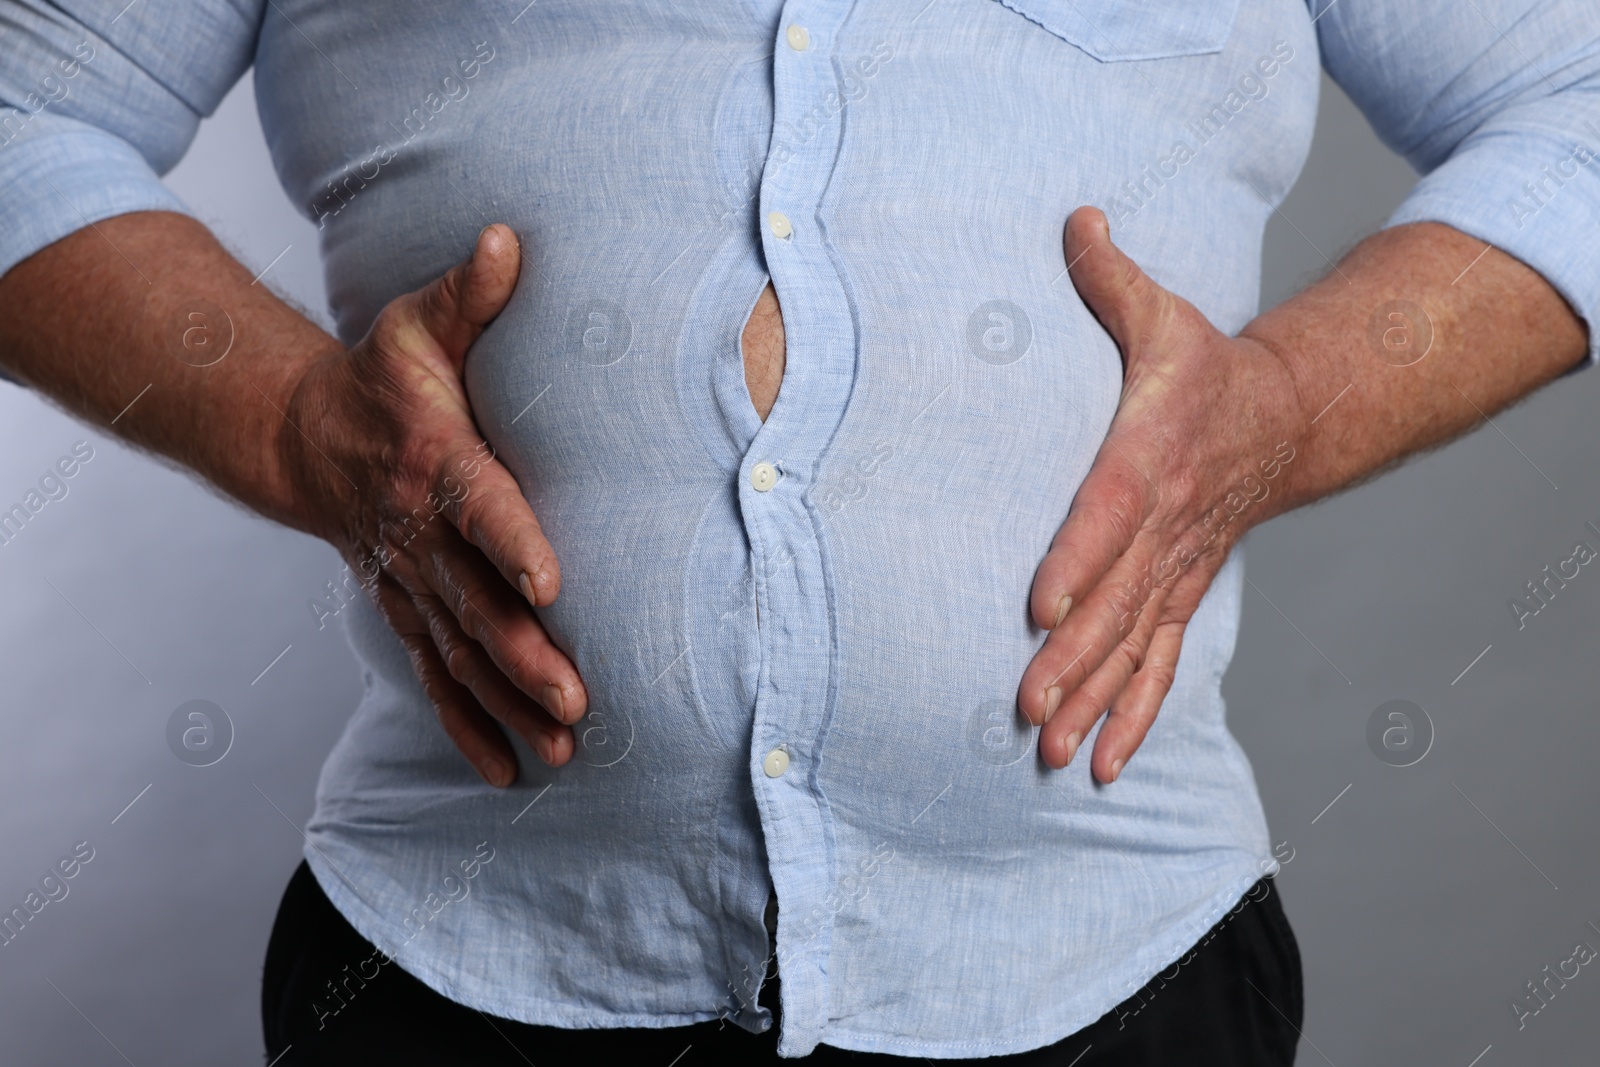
112	321
1499	331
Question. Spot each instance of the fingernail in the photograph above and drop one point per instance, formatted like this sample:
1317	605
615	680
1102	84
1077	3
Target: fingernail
495	772
545	748
552	700
1061	610
1116	768
1052	701
1074	739
526	584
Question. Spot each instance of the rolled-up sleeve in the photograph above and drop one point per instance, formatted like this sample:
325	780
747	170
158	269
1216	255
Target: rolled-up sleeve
97	100
1497	104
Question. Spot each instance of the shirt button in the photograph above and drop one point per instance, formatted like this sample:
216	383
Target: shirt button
798	38
780	224
763	476
776	763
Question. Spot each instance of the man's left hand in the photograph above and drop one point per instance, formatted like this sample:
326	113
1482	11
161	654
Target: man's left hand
1205	431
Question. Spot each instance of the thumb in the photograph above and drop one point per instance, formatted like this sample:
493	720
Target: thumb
456	307
1128	303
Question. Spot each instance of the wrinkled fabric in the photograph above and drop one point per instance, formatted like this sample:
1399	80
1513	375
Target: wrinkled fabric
940	892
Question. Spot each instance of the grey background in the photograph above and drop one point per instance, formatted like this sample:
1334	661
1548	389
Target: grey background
1423	898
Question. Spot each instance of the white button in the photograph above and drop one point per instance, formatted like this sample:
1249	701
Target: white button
798	38
776	763
780	224
763	476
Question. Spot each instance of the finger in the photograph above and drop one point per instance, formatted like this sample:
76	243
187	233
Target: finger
455	307
468	726
1112	611
504	625
1110	508
489	510
468	664
1128	303
1082	707
1134	711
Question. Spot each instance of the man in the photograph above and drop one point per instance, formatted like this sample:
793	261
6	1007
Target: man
812	565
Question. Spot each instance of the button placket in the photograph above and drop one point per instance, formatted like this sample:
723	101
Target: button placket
796	635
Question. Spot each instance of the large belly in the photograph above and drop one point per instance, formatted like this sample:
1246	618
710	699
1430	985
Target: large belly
976	405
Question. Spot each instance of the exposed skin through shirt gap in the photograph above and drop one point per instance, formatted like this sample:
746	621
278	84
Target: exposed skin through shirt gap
762	344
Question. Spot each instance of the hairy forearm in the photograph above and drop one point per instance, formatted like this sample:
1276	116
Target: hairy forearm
116	321
1492	330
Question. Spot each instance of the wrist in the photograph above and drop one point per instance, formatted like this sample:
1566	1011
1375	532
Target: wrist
1282	421
292	461
1313	380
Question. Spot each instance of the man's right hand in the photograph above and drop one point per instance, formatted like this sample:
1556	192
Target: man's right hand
386	463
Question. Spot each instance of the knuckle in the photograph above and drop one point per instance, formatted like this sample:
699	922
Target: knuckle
445	293
460	594
522	669
1132	652
552	664
457	659
481	520
1122	503
401	525
420	309
397	335
450	489
469	513
1132	277
388	324
1162	675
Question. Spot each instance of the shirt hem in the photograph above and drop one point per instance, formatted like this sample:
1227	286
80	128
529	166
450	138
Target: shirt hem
544	1013
1172	950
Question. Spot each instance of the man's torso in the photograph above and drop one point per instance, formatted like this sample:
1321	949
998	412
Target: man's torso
843	580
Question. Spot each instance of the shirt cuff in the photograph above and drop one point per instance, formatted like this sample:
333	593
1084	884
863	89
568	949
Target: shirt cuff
1531	192
64	175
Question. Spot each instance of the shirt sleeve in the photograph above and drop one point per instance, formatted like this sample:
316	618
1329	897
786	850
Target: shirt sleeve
1497	104
98	98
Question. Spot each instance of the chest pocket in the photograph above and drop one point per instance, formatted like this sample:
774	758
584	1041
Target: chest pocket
1117	30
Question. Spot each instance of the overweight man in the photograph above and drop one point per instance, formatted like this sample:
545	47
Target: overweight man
788	457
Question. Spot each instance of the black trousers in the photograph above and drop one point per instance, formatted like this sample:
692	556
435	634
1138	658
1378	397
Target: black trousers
1234	1001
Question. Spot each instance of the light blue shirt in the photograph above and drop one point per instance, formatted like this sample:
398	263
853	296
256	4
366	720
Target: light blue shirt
802	639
